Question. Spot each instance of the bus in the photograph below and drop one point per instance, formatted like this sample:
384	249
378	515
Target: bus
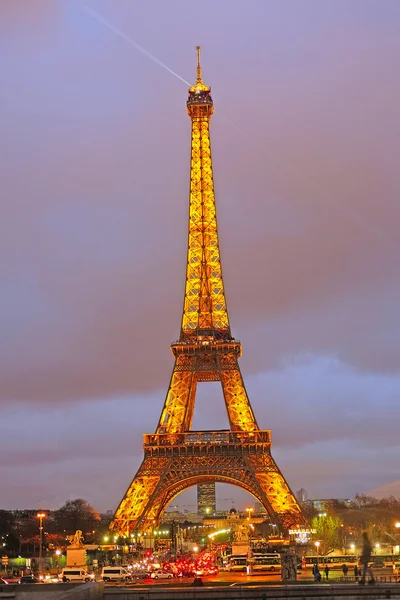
385	560
378	561
333	562
258	562
236	562
265	562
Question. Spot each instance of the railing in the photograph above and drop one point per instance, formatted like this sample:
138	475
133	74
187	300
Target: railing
197	438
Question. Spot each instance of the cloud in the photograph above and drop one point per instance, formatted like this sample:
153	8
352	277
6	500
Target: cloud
332	431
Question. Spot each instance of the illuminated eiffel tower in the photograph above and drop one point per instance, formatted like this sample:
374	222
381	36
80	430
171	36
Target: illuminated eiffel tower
175	457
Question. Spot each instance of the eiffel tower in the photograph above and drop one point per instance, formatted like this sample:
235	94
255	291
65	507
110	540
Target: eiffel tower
175	456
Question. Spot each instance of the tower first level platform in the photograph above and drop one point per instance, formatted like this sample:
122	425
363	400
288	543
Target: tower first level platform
175	457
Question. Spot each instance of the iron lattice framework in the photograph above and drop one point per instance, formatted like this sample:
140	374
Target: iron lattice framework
175	457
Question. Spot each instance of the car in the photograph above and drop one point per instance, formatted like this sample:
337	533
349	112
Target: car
75	574
109	574
51	579
3	581
29	579
213	571
141	575
161	575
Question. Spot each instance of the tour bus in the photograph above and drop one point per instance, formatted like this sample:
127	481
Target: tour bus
385	560
351	560
265	562
258	562
333	562
236	562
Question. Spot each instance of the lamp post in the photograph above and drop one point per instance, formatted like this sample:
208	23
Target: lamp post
40	516
58	554
317	545
397	525
249	511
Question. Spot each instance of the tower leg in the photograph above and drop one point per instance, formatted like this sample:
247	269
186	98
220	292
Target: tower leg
177	413
240	413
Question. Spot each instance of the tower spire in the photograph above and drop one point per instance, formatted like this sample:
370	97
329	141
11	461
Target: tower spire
199	78
200	85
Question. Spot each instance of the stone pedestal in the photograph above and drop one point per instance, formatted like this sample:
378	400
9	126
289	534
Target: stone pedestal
240	547
76	557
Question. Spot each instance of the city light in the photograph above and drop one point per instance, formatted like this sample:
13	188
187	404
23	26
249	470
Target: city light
211	535
249	511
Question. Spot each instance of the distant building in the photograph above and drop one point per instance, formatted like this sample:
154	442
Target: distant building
180	517
259	509
28	514
325	504
302	495
206	504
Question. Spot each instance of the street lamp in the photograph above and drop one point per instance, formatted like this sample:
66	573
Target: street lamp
397	525
317	545
249	511
40	516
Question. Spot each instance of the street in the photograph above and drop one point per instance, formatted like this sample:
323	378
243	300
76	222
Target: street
242	578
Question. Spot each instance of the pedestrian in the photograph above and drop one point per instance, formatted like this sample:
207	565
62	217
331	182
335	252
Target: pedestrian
316	573
356	572
327	572
345	569
365	560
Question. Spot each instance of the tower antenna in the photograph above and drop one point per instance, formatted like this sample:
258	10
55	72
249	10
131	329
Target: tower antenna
199	79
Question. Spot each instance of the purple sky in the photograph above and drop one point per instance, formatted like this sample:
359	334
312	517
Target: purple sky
94	175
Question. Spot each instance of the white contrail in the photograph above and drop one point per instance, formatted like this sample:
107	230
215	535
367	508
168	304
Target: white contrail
130	41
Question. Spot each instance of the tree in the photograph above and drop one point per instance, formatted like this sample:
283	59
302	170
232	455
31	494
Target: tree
7	522
362	501
74	515
327	532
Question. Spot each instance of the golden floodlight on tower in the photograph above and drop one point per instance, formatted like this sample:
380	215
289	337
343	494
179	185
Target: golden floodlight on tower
175	456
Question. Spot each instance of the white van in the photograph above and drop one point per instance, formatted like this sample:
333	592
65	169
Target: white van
75	574
115	574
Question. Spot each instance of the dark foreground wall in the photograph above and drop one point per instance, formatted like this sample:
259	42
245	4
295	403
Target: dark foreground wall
53	591
306	592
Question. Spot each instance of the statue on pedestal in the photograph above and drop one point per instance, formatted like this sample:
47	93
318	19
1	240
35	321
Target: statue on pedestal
76	552
76	540
241	533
